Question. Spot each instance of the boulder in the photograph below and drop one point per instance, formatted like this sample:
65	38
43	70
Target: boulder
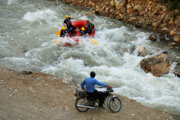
176	38
117	4
88	13
157	65
132	19
171	33
177	21
153	37
112	3
155	24
141	51
137	7
176	70
154	51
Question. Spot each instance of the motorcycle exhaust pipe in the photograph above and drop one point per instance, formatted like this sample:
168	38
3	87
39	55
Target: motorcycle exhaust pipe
85	106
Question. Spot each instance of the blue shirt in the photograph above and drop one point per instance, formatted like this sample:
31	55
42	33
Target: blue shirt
90	83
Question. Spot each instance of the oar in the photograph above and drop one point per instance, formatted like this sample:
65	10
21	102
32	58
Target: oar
92	39
58	33
55	41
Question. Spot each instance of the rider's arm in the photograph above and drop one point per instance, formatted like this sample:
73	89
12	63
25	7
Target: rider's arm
82	85
100	84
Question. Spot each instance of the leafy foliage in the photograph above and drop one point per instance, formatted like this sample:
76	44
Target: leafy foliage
171	4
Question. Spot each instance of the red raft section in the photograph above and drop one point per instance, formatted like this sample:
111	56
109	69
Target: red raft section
79	24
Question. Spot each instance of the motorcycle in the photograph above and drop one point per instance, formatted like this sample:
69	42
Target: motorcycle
83	102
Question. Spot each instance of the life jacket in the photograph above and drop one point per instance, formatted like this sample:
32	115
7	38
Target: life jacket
90	26
63	33
68	22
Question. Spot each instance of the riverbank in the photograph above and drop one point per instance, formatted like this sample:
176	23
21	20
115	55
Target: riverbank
39	96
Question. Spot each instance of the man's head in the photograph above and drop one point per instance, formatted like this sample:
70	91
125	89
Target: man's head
93	74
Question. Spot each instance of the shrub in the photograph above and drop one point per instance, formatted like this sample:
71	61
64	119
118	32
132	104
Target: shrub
171	4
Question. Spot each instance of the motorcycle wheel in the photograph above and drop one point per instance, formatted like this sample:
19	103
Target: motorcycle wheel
79	103
114	104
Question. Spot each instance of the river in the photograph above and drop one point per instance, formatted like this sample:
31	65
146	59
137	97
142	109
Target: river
27	34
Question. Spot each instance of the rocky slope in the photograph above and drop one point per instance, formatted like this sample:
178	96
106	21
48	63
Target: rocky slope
149	14
38	96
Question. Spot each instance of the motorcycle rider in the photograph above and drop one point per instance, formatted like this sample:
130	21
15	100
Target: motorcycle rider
90	82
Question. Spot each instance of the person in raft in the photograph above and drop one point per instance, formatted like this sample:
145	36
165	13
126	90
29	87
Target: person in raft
63	32
67	23
89	27
82	31
90	82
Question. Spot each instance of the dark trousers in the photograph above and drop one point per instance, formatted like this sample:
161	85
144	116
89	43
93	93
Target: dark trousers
71	26
98	95
71	29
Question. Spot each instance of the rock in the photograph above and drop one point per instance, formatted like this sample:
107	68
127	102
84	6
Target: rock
129	6
88	13
172	33
157	65
171	22
167	18
153	37
171	44
177	21
164	8
142	13
165	30
176	70
141	51
112	3
117	4
176	39
137	7
111	10
155	24
161	37
153	52
131	19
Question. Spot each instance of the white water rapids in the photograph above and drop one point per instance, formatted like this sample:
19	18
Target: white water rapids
27	35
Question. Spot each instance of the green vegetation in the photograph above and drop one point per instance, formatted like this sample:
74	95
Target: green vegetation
171	4
174	14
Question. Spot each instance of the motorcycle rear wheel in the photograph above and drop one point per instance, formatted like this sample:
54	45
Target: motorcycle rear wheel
79	103
114	104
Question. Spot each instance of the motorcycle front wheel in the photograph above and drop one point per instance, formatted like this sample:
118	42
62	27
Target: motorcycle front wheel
80	104
114	104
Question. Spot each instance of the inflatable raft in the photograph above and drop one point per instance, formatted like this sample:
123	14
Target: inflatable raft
78	24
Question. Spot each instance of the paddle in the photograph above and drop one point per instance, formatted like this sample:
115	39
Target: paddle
58	33
92	39
55	41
